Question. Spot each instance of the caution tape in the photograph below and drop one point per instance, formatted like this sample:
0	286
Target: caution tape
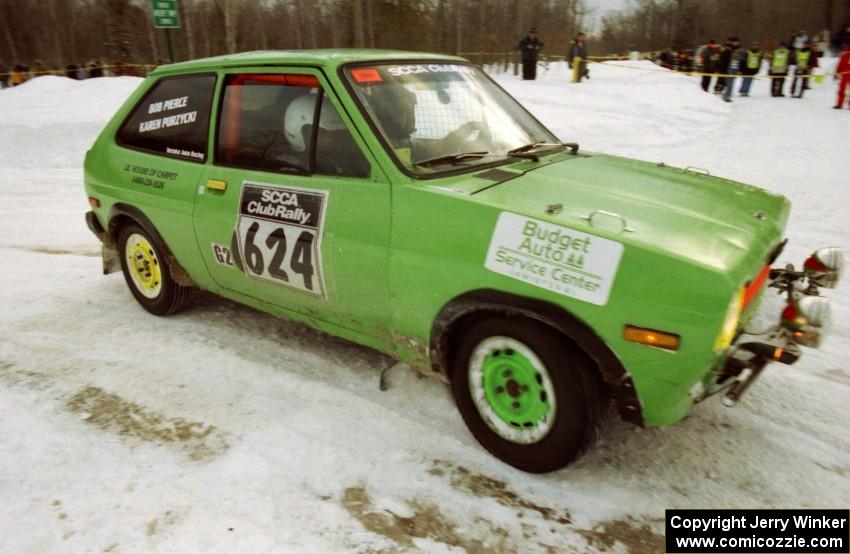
643	56
730	75
589	59
546	57
86	67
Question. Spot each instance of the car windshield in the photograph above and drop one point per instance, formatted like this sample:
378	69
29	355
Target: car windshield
439	117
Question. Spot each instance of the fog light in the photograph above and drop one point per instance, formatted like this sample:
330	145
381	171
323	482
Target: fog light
824	267
808	319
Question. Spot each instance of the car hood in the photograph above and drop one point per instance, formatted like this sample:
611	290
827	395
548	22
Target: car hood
719	223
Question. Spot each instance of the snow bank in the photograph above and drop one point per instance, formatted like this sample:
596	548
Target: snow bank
73	111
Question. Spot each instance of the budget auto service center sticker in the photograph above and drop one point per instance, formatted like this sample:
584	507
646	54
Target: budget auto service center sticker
553	257
279	232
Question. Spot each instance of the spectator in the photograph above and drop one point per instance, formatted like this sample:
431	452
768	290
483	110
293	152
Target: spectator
838	40
95	69
778	69
530	47
707	59
843	68
578	49
751	65
730	64
667	58
821	43
40	69
800	40
71	71
685	60
4	76
19	75
804	60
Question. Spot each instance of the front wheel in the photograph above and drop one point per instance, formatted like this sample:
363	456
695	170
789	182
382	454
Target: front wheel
147	274
526	393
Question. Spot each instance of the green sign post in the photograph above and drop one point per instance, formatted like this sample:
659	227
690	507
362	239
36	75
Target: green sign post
166	16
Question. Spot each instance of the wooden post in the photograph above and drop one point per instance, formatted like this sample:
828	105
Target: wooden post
576	69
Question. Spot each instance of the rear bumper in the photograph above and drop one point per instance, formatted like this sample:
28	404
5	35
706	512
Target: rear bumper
95	226
108	253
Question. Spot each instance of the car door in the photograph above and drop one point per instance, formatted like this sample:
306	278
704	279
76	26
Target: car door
293	210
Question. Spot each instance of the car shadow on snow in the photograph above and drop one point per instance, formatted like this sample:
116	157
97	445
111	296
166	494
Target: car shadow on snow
715	454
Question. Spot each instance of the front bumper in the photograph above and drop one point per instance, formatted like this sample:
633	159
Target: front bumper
803	320
749	356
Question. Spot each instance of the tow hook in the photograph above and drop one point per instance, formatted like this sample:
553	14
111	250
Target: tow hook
751	358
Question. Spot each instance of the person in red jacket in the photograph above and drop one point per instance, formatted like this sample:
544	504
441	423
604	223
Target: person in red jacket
844	69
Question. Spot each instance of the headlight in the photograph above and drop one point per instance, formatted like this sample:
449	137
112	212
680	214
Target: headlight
730	322
808	319
824	267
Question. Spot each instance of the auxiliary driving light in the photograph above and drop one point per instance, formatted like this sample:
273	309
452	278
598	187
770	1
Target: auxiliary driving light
807	319
825	266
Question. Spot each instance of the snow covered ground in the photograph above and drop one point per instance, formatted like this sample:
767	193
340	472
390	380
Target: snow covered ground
226	430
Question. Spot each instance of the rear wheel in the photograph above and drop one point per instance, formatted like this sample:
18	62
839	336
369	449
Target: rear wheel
147	274
526	393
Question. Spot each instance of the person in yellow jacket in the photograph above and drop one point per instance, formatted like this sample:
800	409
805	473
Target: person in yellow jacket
750	65
804	60
779	61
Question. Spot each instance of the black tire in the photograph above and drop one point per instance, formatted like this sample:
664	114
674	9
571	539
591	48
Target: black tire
170	297
580	399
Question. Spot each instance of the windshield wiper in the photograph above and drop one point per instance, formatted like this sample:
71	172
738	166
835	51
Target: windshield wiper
525	150
451	158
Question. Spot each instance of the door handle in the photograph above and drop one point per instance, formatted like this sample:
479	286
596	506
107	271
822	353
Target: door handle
216	184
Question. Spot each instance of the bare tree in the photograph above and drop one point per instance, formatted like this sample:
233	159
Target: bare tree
59	32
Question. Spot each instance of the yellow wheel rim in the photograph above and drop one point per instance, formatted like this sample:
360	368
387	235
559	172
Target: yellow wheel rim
143	265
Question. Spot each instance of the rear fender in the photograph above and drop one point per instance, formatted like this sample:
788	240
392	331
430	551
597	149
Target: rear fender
120	214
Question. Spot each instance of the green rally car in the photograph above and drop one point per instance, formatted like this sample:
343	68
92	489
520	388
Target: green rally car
406	202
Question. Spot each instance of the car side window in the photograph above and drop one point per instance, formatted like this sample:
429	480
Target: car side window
172	119
267	124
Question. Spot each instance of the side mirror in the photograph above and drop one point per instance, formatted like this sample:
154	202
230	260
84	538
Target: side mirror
824	267
807	319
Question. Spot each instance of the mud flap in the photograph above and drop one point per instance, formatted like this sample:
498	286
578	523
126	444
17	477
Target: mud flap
111	262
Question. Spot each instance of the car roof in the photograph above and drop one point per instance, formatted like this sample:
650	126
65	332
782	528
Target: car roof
329	58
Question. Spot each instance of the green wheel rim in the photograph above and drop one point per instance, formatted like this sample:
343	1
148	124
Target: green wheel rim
512	390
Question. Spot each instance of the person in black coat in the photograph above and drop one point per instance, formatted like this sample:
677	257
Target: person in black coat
530	47
708	60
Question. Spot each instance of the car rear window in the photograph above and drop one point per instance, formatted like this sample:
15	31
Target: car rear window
172	119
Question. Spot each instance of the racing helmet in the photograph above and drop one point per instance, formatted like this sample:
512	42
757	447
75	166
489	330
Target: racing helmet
300	113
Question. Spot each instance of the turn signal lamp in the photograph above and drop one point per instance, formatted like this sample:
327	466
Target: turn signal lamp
730	322
807	319
651	337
